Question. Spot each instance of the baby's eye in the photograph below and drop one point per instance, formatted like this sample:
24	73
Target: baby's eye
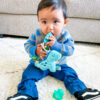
44	22
55	21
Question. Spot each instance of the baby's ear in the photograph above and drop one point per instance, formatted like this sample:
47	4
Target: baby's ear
66	21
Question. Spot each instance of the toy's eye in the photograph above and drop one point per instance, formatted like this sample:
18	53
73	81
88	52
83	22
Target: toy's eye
45	62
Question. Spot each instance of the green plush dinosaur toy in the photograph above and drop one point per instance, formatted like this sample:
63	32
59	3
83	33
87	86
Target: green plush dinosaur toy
50	61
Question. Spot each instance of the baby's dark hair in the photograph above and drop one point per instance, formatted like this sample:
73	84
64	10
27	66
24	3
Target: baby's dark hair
55	3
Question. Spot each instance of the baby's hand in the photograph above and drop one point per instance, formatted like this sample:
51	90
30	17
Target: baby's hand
51	42
39	52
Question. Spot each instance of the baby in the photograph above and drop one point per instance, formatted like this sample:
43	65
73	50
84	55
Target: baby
52	17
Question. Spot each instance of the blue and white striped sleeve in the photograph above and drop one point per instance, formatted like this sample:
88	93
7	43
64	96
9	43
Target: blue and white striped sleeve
30	46
66	47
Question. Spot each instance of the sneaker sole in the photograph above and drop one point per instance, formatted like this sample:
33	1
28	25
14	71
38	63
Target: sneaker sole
94	98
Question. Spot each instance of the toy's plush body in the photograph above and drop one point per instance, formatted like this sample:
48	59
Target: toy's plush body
50	61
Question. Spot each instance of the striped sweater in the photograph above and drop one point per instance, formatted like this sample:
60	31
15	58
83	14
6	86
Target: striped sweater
64	44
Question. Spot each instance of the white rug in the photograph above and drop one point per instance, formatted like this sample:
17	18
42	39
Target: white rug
14	59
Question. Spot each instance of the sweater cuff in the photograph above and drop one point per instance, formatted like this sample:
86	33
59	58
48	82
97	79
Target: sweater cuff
57	46
32	50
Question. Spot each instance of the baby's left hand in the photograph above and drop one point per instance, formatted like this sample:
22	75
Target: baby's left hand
51	42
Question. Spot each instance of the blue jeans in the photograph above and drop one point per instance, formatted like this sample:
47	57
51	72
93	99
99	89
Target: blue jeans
32	74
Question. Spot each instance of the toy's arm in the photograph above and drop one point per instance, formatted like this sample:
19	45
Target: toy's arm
66	48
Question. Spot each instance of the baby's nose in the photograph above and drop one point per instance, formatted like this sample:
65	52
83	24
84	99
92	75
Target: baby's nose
50	26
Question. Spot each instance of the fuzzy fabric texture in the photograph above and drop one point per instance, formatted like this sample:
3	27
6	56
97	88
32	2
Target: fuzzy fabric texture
14	59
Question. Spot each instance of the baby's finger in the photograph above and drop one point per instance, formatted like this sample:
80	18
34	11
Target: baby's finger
44	52
50	38
39	45
44	55
47	44
41	58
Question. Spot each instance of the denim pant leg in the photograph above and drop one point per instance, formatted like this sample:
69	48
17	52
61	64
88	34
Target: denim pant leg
30	76
70	78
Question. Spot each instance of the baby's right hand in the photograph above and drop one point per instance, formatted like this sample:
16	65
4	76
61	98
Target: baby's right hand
39	52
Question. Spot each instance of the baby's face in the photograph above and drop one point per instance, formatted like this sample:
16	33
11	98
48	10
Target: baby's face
51	20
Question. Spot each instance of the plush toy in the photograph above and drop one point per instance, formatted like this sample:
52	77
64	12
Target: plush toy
50	62
58	95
